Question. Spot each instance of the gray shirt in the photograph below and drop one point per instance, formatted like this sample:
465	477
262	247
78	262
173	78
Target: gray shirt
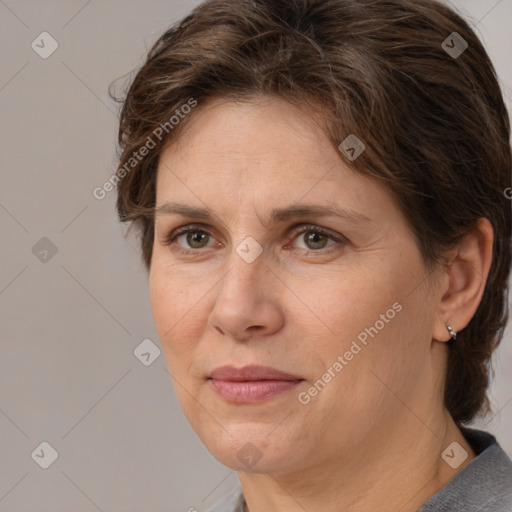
484	485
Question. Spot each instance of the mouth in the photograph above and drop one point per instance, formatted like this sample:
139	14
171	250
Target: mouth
252	383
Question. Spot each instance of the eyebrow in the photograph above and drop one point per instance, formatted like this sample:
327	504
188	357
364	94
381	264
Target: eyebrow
276	215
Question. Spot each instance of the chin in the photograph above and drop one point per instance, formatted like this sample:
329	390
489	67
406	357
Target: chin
249	447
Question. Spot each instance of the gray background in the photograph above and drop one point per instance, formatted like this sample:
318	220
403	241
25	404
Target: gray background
70	324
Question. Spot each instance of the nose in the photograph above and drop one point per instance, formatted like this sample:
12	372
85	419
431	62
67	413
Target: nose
247	304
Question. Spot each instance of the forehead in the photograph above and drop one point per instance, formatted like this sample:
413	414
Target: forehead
259	129
268	152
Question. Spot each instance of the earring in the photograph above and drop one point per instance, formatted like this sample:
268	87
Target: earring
453	334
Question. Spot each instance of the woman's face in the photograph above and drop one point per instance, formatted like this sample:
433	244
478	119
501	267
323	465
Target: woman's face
340	301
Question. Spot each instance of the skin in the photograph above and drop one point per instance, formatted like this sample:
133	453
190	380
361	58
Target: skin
372	438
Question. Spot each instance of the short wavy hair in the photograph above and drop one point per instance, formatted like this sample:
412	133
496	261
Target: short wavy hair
431	115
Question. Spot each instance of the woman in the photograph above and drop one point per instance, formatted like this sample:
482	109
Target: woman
319	188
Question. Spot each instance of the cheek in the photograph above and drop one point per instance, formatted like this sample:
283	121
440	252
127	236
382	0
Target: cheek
345	302
370	313
178	314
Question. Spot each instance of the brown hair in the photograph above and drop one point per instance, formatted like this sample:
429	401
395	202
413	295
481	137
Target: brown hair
434	124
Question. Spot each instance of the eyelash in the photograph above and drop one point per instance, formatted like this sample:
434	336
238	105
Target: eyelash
170	239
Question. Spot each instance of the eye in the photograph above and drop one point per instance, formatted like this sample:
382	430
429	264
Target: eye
189	239
195	239
315	238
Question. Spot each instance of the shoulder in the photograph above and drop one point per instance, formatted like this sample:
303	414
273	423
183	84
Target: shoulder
484	484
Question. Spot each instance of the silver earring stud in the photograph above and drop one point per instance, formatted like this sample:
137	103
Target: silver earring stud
453	334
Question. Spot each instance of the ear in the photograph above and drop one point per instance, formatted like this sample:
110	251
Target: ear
464	281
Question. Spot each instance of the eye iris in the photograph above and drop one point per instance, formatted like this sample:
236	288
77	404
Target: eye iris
318	240
194	237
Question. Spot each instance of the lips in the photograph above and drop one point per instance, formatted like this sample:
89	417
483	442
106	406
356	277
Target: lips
251	383
250	373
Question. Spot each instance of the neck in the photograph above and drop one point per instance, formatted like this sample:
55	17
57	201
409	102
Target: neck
399	468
